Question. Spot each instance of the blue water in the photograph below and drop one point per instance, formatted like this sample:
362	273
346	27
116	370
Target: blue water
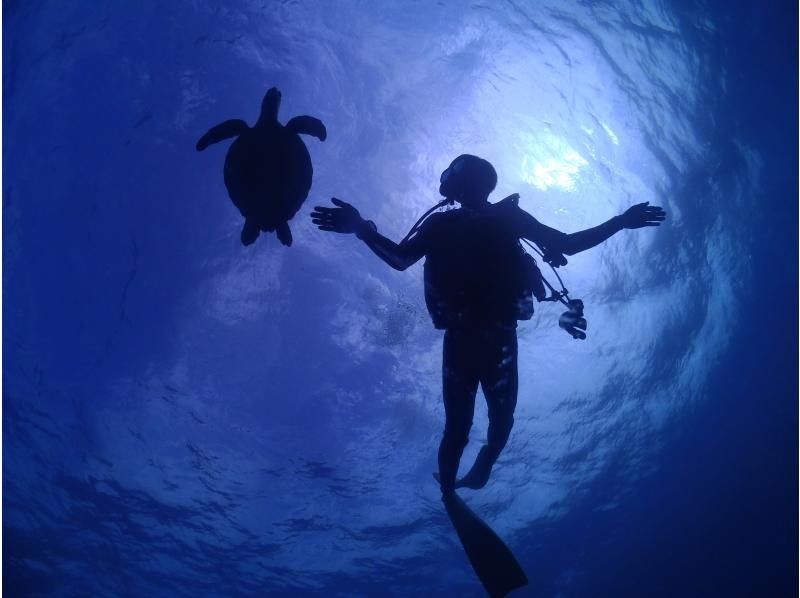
184	416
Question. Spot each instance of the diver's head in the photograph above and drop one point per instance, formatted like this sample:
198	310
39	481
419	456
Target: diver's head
468	180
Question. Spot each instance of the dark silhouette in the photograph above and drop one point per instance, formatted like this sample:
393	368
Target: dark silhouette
493	562
472	290
267	169
478	283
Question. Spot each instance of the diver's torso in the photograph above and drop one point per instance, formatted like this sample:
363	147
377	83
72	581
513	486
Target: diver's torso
472	268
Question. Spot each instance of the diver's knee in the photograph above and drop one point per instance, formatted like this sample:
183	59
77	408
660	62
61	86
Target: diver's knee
459	438
502	419
457	434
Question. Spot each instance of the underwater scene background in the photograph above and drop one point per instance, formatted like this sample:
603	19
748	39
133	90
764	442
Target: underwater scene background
184	416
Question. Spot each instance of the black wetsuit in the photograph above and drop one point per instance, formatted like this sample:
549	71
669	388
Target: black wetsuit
471	286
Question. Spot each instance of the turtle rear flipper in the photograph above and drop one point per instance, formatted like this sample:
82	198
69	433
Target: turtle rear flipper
307	125
284	234
250	232
230	128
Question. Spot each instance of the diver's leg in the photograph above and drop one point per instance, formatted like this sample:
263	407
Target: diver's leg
499	380
459	385
500	388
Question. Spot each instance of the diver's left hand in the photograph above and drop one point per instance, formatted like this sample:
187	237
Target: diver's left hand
554	258
641	215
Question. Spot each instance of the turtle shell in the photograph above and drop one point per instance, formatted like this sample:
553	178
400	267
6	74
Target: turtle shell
268	175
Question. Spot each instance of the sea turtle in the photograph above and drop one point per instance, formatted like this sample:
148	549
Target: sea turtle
267	170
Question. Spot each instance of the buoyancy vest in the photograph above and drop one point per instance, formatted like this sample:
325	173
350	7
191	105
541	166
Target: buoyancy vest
478	272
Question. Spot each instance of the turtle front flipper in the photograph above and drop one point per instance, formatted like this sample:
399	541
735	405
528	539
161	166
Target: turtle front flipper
250	232
284	234
230	128
307	125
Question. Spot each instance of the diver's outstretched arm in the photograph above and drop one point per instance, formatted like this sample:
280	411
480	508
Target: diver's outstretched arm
586	239
637	216
346	219
397	256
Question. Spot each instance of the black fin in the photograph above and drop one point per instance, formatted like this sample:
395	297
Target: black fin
493	562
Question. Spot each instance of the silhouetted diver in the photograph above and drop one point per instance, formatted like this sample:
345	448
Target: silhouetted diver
267	169
478	283
473	281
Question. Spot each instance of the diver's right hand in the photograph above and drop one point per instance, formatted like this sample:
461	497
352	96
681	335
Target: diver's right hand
342	219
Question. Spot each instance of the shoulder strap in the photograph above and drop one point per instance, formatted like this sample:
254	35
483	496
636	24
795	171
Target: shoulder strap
419	222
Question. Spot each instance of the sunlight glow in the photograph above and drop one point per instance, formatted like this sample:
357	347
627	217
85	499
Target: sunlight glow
549	161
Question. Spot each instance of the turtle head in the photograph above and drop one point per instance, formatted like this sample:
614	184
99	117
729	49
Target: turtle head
269	107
